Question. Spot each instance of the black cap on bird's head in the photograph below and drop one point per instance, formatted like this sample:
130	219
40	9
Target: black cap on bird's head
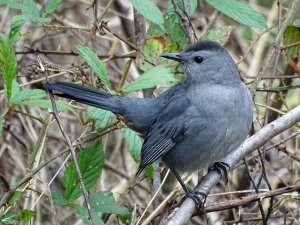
199	46
206	61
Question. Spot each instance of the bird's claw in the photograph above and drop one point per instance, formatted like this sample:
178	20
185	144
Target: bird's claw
222	168
195	196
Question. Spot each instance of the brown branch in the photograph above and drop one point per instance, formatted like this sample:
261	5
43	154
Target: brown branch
251	198
53	52
72	150
290	46
104	25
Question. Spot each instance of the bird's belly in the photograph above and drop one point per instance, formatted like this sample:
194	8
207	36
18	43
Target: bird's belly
204	150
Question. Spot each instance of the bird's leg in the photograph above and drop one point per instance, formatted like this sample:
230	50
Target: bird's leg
194	195
222	168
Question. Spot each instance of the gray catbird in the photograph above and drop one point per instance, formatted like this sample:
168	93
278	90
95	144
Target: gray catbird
193	124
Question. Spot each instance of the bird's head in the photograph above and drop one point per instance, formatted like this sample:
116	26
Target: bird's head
206	61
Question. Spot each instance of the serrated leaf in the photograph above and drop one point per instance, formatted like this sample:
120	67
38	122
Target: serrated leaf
240	12
26	94
150	11
51	6
291	36
94	62
8	64
91	161
100	116
135	143
1	124
220	34
155	76
104	202
58	199
31	12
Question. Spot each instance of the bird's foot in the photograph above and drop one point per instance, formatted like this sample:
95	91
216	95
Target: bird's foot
222	168
195	196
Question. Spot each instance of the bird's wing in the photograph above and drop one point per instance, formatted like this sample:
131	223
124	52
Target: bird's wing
165	132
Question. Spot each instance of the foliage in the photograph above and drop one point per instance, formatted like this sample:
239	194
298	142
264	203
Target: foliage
53	32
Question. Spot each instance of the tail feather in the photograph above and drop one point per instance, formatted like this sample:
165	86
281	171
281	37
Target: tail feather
86	95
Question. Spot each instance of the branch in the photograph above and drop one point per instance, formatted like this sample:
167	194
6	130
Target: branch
251	198
71	147
185	211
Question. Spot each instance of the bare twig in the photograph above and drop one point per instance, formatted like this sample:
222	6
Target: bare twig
185	22
104	25
250	198
72	150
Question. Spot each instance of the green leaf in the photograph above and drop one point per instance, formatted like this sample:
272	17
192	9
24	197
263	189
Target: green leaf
14	218
31	12
151	50
32	97
91	161
220	34
173	24
82	211
135	143
291	36
15	27
9	218
192	5
92	59
1	124
104	202
17	195
174	30
155	30
240	12
100	116
8	64
14	4
149	171
51	7
26	215
149	10
26	94
155	76
58	199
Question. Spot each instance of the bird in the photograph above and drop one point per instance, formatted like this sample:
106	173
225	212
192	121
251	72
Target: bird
191	126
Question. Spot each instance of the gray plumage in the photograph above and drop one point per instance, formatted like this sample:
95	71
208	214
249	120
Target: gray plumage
193	124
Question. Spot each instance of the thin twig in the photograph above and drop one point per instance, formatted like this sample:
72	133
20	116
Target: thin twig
251	198
185	23
72	150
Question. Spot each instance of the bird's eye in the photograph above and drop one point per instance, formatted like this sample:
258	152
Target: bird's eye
198	59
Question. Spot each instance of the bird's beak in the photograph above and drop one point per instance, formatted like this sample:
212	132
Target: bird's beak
173	56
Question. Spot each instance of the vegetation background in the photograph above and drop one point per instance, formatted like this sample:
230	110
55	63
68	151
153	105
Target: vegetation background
116	45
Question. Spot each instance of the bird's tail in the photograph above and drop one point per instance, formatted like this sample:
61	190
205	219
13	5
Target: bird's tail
86	95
